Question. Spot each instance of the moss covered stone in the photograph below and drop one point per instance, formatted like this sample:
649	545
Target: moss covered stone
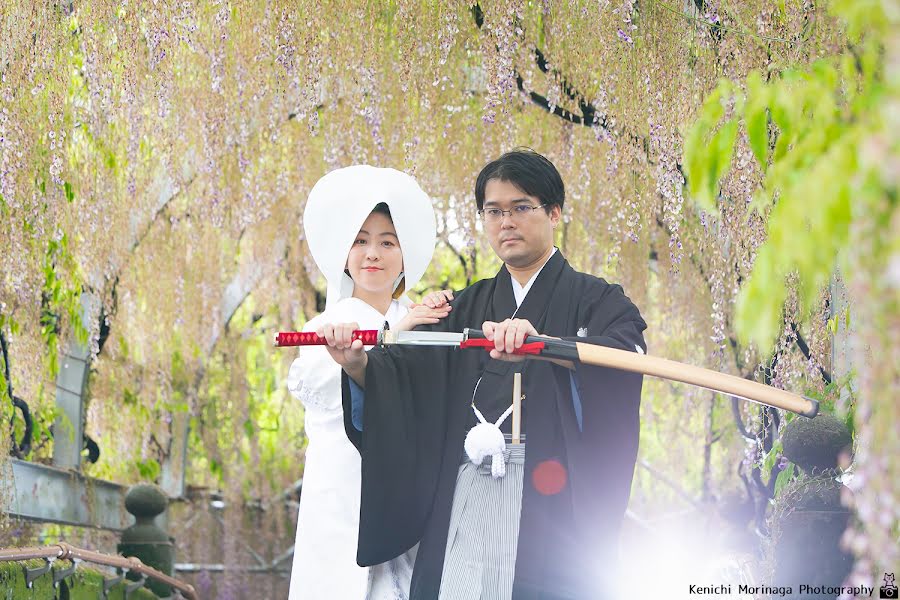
814	444
146	500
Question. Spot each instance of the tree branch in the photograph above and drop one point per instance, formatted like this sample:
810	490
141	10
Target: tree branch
739	420
804	348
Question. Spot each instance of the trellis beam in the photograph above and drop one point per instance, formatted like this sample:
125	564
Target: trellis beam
51	495
71	382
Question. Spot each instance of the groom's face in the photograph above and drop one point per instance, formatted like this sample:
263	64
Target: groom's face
523	237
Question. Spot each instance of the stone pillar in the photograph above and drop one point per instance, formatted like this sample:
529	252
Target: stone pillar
809	519
145	540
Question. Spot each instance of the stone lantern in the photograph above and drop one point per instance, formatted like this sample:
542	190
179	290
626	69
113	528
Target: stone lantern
809	519
145	539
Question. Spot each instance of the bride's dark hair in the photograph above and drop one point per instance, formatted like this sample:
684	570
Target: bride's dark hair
382	209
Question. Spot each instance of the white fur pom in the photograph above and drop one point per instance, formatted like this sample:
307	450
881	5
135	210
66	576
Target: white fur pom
483	440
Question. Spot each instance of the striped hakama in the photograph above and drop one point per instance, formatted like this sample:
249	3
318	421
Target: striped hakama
480	559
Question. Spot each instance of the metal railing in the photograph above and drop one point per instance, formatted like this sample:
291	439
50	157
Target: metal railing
63	550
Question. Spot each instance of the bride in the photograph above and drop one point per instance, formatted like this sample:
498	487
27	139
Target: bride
372	233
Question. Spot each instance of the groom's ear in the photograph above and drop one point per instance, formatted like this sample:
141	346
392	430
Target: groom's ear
555	214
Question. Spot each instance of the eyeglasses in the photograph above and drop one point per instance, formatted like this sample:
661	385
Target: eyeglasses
516	213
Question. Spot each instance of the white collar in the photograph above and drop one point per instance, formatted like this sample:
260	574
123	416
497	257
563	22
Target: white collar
520	291
355	309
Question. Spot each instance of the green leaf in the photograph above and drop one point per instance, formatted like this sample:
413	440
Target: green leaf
706	161
758	309
723	143
756	118
149	469
215	467
129	397
721	149
773	455
70	195
713	110
695	159
784	478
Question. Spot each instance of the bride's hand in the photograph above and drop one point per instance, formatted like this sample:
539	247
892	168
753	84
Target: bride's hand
421	314
438	299
345	350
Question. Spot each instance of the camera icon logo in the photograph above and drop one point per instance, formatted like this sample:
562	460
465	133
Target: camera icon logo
889	589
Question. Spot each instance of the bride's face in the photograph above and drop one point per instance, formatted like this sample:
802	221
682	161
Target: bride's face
375	260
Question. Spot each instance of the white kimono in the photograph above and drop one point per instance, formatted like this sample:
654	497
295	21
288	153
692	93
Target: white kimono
328	524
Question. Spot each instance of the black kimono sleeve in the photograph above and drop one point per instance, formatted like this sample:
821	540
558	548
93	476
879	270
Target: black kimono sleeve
400	444
604	456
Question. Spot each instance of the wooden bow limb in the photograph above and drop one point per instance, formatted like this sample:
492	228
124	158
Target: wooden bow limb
603	356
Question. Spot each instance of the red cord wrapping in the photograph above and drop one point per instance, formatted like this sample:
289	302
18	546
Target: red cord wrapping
369	337
529	348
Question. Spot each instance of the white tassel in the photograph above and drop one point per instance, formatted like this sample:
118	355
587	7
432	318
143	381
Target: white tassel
486	439
483	440
498	465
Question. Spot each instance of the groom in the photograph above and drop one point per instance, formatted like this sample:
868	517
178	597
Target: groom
549	527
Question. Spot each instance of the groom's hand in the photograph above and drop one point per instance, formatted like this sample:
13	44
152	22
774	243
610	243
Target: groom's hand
345	351
508	336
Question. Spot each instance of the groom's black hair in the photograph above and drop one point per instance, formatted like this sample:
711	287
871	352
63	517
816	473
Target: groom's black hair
527	170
